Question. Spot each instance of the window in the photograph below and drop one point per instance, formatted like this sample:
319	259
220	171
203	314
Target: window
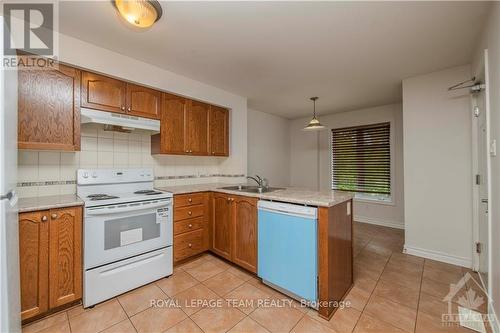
361	159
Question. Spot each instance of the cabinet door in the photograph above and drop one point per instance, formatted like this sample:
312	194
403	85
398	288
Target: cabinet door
65	252
219	131
48	108
143	102
103	93
245	233
196	134
171	139
221	233
34	263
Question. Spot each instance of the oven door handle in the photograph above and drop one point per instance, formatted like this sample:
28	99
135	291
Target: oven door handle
115	209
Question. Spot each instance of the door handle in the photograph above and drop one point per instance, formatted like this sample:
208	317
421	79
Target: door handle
484	201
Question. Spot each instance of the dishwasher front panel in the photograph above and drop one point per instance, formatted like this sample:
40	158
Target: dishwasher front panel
288	252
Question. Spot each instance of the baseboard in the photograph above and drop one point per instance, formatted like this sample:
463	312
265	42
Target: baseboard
438	256
381	222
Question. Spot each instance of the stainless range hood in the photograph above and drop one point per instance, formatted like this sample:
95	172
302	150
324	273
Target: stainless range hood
123	121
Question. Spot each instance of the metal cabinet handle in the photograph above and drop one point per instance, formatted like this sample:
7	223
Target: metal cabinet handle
190	200
190	245
187	151
190	213
190	225
44	218
53	216
128	109
123	108
213	153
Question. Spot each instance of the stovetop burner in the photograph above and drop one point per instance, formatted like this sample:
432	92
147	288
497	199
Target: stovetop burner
148	192
100	196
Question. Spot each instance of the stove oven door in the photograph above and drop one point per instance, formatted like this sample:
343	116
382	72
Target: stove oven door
121	231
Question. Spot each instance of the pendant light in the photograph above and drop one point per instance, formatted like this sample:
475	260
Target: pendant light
314	124
139	13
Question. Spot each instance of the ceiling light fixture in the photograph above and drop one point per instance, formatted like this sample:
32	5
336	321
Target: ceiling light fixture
314	124
140	13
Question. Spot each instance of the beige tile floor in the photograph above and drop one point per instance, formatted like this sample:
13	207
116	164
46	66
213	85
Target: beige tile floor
392	292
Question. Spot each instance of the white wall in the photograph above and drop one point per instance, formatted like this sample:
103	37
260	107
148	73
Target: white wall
269	147
47	173
310	159
438	166
491	41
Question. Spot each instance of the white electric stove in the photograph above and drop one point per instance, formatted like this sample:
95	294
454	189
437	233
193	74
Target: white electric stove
127	231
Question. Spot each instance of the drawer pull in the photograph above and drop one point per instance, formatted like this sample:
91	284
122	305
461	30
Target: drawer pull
190	245
54	216
190	200
190	225
190	213
44	218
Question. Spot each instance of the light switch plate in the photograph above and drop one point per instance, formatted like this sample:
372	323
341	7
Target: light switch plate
493	148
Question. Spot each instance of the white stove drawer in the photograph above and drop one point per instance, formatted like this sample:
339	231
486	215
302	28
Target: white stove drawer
108	281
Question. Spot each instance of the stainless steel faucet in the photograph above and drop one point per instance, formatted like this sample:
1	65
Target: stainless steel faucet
261	182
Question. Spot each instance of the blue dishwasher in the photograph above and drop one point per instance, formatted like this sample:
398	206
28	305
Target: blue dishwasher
288	249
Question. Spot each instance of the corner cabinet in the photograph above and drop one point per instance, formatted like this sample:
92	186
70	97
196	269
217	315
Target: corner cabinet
191	128
49	108
235	229
50	259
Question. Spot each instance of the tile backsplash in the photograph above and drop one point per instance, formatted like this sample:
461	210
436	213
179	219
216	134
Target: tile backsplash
52	173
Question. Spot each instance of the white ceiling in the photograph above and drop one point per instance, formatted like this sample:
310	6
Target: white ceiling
350	54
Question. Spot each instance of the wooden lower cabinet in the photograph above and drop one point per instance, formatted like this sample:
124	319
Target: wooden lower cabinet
235	229
222	217
191	232
50	259
244	249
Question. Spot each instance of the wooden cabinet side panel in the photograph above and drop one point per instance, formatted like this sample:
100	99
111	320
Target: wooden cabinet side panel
197	128
48	108
65	266
34	263
221	221
244	230
143	102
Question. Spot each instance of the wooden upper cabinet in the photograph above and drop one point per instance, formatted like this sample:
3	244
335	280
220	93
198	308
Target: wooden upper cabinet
171	139
65	256
222	221
196	128
143	102
48	108
219	131
244	231
34	262
103	93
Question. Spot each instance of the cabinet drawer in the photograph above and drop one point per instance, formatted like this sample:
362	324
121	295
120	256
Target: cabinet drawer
189	225
189	199
188	244
188	212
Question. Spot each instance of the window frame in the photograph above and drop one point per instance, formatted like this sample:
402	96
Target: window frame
365	197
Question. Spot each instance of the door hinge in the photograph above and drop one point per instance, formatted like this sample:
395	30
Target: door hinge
476	111
478	247
478	179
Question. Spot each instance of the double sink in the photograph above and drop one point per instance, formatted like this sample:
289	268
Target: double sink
251	189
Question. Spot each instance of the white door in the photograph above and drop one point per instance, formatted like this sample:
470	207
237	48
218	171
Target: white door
10	320
482	156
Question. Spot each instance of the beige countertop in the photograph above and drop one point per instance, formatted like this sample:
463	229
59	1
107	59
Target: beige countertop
48	202
291	195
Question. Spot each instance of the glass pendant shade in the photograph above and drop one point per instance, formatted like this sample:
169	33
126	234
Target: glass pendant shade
314	124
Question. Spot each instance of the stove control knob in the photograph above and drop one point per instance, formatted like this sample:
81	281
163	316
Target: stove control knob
85	175
94	175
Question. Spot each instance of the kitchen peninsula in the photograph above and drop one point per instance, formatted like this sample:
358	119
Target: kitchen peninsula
209	217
